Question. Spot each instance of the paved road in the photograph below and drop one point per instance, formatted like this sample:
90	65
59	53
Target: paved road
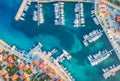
112	5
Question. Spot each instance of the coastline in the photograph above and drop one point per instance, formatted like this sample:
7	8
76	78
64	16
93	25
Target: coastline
78	56
41	55
2	42
105	30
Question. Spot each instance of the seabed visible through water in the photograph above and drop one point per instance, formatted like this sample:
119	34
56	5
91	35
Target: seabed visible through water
25	34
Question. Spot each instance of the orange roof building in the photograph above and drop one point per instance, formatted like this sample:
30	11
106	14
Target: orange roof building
10	60
23	76
118	30
1	50
101	3
3	72
10	65
50	75
14	77
31	67
52	69
6	77
4	57
21	66
43	67
118	18
104	13
36	62
102	8
25	67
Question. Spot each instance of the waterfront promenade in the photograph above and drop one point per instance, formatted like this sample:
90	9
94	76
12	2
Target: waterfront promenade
108	31
112	5
41	54
15	52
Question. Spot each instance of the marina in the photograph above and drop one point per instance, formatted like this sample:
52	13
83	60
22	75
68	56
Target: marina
92	37
59	13
109	33
38	14
64	55
110	71
79	20
24	7
67	41
95	59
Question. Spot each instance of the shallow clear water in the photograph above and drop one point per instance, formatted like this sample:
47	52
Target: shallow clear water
24	34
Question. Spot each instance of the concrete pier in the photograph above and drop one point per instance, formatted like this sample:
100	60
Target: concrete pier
21	9
111	72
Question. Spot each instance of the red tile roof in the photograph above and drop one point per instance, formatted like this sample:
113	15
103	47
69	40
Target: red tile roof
25	67
14	77
4	57
10	60
101	3
3	72
36	62
24	75
52	69
31	67
118	30
6	76
43	67
104	13
118	18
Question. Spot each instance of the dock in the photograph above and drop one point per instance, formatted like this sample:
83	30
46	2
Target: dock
111	71
79	20
52	52
21	9
92	37
97	58
59	13
64	55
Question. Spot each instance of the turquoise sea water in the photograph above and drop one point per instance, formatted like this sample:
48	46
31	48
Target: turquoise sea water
24	34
